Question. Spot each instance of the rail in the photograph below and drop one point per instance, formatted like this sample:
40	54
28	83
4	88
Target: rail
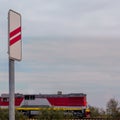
88	119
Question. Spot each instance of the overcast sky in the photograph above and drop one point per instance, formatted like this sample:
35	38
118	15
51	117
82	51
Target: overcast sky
68	45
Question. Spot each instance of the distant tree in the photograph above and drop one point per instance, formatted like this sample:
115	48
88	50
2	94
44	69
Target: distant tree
112	108
94	111
102	112
97	112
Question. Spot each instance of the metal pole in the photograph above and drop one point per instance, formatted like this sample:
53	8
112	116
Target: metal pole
11	90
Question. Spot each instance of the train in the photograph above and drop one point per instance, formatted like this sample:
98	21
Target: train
31	104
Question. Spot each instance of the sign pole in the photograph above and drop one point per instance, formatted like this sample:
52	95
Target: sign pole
15	53
11	90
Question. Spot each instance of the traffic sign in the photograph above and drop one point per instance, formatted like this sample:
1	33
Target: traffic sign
14	36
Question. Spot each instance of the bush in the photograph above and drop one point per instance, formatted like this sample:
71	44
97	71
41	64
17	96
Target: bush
20	116
4	115
50	115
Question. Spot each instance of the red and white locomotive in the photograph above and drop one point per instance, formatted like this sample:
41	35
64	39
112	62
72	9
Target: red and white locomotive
75	102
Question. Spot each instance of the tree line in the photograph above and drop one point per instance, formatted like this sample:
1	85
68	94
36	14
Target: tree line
112	110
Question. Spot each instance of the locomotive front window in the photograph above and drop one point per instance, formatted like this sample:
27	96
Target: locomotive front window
27	97
30	97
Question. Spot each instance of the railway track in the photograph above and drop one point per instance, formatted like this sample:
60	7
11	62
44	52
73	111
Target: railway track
97	119
87	119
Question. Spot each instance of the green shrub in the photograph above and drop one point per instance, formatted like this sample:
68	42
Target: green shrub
4	115
50	115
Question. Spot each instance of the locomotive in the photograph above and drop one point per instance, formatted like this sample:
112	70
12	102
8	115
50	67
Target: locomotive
30	104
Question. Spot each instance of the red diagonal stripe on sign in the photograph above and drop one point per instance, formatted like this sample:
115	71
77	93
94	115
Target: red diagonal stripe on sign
14	40
14	32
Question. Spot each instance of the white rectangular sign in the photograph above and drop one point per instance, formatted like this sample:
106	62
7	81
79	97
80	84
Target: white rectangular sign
14	35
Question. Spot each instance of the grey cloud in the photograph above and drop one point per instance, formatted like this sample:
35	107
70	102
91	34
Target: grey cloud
76	19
